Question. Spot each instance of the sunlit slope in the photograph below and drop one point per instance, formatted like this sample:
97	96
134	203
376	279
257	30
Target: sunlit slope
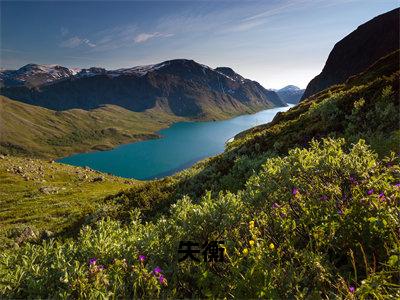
38	196
36	131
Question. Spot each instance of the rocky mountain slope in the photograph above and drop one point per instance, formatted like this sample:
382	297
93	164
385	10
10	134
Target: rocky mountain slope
290	94
179	87
358	50
32	75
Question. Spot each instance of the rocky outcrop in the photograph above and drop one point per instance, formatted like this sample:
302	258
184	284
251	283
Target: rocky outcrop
357	51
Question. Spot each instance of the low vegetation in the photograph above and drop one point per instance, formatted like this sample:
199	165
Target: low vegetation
43	198
318	222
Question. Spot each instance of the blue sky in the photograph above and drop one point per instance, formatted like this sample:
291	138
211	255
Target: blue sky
274	42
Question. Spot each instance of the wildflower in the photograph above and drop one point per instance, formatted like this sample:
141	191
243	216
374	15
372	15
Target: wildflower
283	215
382	196
162	280
272	246
157	270
397	184
324	197
352	289
92	261
245	251
251	224
295	191
142	258
340	212
251	243
275	205
353	180
370	192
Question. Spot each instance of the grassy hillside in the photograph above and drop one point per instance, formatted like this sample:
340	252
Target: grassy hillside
40	198
307	207
35	131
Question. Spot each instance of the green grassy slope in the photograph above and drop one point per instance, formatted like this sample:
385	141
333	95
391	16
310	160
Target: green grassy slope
43	195
36	131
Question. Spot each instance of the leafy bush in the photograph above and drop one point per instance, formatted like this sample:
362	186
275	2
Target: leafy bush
319	222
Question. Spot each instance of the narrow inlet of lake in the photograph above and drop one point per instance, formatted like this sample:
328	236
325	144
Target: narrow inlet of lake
182	145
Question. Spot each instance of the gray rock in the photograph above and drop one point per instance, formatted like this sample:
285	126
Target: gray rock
98	179
47	190
27	235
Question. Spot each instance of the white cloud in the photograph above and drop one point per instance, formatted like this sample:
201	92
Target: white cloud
76	41
144	37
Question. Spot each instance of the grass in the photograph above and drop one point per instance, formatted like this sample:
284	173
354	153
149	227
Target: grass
36	131
44	195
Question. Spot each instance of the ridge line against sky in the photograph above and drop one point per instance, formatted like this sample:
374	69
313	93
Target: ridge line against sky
273	42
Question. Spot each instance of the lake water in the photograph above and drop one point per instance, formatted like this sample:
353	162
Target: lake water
182	145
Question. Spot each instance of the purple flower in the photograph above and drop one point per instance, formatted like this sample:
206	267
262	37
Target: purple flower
157	270
295	191
382	196
142	258
324	197
275	205
397	184
92	261
353	180
340	212
162	279
283	215
352	289
370	192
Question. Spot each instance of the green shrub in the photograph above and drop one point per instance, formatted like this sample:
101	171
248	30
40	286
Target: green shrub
318	222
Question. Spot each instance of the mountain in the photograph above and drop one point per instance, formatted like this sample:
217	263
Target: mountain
180	87
290	94
34	75
358	50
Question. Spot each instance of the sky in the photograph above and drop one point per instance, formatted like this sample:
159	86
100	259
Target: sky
276	43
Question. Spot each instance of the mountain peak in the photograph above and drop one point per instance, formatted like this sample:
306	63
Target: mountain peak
358	50
289	88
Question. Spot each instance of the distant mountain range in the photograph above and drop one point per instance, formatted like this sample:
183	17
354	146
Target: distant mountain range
180	87
358	50
290	94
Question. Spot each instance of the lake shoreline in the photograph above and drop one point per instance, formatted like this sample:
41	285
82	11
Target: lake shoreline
176	147
148	136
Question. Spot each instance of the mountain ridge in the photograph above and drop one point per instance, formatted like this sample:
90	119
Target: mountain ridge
358	50
182	87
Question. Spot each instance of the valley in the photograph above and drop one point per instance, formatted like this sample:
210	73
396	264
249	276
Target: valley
303	201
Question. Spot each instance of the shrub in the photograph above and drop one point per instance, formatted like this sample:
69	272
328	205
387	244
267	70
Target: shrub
319	222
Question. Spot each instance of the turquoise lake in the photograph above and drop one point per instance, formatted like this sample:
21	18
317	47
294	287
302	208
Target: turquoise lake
182	145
